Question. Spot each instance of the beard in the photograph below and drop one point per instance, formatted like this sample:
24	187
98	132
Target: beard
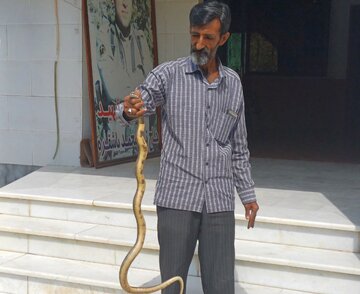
200	57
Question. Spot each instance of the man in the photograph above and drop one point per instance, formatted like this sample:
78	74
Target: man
204	154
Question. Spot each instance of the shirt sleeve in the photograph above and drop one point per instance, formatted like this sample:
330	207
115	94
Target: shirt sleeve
154	88
153	93
119	114
240	158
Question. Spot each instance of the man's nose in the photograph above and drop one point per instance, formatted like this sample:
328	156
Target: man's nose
200	44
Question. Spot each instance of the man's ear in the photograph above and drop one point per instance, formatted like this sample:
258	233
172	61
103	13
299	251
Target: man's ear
224	38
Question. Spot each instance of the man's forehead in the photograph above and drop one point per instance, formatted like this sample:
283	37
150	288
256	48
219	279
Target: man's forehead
212	27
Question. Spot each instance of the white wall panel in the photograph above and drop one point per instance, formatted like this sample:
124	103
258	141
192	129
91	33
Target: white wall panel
4	113
3	42
15	78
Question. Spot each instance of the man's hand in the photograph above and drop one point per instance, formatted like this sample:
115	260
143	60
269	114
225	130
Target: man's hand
133	105
250	213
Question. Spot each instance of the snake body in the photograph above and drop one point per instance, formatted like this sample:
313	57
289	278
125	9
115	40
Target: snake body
141	225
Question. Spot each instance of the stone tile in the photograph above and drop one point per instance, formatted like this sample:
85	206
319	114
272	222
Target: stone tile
12	147
70	249
13	242
39	41
45	145
299	236
118	235
295	256
42	227
70	42
41	116
38	286
69	271
42	78
4	113
70	78
295	278
13	284
42	11
6	256
14	206
14	11
19	71
3	42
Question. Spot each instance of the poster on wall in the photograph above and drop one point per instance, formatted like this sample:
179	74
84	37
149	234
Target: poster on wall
121	50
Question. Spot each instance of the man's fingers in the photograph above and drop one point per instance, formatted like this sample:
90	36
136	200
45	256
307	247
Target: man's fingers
133	105
132	101
139	105
250	213
251	222
140	112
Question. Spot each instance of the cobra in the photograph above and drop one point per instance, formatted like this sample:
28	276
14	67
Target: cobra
140	221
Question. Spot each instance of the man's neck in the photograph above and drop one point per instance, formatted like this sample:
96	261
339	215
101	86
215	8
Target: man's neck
210	70
125	31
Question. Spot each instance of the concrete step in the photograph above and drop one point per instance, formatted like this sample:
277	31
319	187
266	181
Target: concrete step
32	274
291	217
78	241
118	212
109	245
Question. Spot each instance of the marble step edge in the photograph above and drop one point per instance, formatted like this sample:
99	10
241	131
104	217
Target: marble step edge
152	208
252	251
98	275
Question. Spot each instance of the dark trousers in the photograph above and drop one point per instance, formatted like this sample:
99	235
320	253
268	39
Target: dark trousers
178	232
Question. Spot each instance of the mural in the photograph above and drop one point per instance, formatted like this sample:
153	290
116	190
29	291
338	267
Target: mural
122	51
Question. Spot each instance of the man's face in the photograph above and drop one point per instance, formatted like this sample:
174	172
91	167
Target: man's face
205	40
124	10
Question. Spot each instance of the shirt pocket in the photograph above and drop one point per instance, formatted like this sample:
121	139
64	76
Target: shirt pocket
223	127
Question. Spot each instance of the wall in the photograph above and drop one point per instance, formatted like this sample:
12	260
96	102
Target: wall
172	21
27	55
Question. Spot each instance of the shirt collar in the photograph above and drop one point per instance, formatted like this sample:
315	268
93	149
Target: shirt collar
120	34
192	68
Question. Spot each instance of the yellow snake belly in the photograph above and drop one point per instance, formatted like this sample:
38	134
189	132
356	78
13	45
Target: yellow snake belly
141	225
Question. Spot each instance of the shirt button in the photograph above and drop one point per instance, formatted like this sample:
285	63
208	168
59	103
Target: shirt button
207	163
207	144
206	182
208	107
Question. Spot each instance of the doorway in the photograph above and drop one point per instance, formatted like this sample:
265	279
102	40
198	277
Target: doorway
353	78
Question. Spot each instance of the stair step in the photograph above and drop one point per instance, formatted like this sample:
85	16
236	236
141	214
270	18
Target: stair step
105	197
250	251
120	214
44	270
298	257
306	236
104	234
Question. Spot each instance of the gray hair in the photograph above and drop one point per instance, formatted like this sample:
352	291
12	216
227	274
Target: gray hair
203	13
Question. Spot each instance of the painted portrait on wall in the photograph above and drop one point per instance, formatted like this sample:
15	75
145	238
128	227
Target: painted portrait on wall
121	51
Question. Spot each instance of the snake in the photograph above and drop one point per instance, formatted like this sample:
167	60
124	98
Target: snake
140	221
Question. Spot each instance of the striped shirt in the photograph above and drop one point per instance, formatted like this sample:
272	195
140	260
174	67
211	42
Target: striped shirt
204	155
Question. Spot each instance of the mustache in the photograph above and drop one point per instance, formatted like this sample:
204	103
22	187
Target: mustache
201	51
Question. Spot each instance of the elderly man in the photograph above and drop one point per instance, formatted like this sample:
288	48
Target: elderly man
204	156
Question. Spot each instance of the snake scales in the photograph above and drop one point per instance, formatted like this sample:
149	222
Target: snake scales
141	226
